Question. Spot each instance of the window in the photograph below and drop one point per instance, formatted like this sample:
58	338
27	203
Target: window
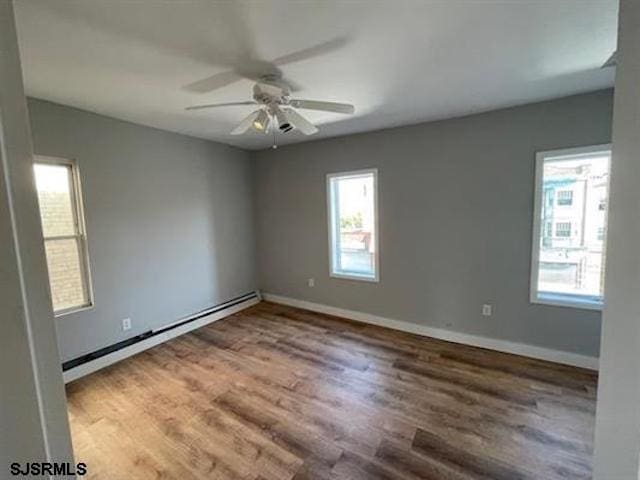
568	266
65	241
563	229
565	197
353	216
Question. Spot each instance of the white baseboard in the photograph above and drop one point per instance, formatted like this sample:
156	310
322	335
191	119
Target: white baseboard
523	349
111	358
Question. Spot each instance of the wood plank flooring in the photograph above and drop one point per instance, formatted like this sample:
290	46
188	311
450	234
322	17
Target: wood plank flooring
281	393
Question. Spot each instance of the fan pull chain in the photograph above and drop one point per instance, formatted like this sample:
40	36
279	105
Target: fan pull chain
274	146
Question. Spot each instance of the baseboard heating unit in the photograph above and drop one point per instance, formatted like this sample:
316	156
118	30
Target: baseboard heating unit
91	362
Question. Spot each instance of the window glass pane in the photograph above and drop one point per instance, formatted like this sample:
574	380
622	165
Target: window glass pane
354	210
65	273
55	197
571	256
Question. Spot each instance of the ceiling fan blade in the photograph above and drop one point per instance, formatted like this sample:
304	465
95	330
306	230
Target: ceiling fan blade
299	122
246	123
214	105
293	86
253	71
316	50
323	106
213	82
239	47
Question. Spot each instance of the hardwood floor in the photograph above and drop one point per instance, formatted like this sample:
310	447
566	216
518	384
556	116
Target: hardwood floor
280	393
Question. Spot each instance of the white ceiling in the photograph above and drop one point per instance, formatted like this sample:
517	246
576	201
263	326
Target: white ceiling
398	61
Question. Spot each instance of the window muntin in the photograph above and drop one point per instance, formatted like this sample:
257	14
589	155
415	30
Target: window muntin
353	243
59	198
568	259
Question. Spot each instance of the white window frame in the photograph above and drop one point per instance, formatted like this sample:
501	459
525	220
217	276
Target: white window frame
80	236
541	158
334	229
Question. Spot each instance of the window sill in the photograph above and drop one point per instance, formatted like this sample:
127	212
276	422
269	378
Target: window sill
70	311
355	276
567	300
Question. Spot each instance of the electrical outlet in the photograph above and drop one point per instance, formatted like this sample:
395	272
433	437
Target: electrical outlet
126	324
311	282
487	310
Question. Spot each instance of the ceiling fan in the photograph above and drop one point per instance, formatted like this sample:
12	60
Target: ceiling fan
277	109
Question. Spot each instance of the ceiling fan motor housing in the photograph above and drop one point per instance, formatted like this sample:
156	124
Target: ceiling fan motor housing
270	93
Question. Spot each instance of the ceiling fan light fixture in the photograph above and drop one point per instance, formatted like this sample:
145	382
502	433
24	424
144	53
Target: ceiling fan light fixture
283	122
261	122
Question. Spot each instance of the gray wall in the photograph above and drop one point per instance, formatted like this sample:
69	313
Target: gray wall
455	208
169	222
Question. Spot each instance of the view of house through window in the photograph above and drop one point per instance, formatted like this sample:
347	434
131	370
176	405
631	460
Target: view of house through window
63	230
352	224
569	251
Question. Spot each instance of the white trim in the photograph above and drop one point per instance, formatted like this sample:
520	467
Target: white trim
565	153
354	276
541	158
559	302
111	358
331	224
523	349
